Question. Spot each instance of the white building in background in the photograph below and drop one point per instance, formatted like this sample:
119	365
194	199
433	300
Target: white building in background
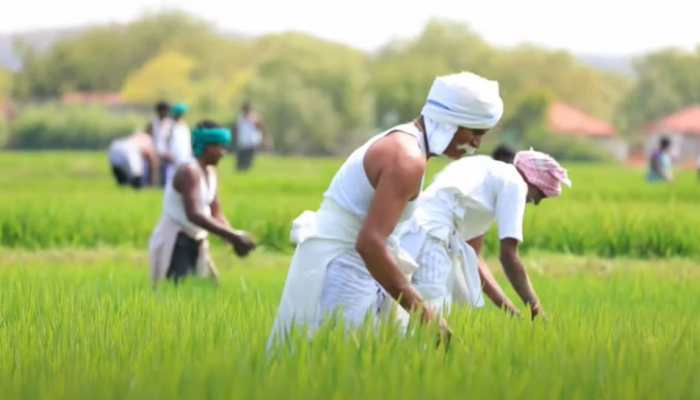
565	120
683	129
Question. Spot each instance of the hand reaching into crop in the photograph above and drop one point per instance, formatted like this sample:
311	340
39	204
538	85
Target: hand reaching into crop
242	243
536	310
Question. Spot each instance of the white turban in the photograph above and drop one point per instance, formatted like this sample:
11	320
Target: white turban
464	99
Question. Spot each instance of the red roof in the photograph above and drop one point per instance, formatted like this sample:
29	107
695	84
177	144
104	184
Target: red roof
566	120
7	109
685	121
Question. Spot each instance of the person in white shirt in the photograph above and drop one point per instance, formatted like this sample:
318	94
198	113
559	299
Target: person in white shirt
346	261
160	128
179	145
452	216
249	136
134	161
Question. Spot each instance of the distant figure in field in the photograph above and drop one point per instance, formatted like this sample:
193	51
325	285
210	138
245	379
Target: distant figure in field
160	128
191	210
660	165
446	233
179	141
346	260
249	136
134	160
503	153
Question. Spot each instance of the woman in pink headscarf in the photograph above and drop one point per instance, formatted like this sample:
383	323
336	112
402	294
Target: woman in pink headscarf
446	233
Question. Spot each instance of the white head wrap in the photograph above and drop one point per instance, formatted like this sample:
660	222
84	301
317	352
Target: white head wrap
463	99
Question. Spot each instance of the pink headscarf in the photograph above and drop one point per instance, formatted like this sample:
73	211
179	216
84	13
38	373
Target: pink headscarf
543	171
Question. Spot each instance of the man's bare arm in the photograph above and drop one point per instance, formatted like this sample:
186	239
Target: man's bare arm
395	184
243	243
218	214
489	283
187	182
515	271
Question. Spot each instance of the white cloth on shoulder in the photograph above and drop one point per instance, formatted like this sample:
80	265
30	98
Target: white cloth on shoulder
448	270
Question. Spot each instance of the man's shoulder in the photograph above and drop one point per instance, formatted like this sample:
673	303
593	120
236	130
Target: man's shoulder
398	148
187	170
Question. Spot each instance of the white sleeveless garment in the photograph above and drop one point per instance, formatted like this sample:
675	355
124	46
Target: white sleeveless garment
174	206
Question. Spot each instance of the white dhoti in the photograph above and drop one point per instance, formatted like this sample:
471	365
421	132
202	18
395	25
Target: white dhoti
161	246
448	269
349	290
327	275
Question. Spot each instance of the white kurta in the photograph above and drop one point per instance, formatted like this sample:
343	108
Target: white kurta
462	203
179	147
125	154
248	136
161	128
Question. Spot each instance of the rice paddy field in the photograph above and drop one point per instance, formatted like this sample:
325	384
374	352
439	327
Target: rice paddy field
615	261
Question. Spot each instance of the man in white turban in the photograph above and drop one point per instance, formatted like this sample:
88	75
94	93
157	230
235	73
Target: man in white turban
346	261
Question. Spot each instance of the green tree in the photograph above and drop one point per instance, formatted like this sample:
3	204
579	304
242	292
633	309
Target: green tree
101	58
167	76
298	73
5	83
666	81
404	70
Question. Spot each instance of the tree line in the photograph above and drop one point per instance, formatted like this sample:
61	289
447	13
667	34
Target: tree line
321	97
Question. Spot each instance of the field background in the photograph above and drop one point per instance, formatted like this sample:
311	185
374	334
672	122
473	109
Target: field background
615	262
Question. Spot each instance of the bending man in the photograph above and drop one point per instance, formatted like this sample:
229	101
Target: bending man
191	210
460	205
344	258
134	160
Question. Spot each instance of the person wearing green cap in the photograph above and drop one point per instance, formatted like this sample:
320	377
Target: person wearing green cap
191	210
179	147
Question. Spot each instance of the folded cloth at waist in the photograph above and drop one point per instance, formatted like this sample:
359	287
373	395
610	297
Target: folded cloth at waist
320	236
162	244
464	282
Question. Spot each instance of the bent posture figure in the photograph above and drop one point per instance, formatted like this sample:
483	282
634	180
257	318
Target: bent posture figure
134	160
345	260
447	230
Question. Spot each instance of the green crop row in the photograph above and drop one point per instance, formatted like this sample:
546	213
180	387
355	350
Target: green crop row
69	199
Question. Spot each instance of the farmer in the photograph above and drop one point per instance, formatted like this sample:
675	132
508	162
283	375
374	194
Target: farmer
134	161
160	128
345	260
249	136
460	205
179	141
660	164
191	210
